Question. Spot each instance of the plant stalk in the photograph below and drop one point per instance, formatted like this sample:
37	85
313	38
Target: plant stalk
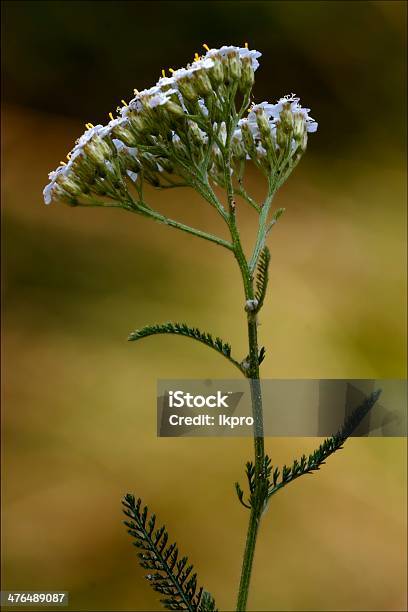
257	498
247	270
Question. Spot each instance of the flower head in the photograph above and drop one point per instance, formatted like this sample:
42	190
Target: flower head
176	129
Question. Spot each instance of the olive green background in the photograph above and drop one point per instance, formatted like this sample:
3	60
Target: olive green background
79	411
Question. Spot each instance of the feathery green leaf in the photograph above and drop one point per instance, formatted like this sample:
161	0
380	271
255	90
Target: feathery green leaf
262	277
182	329
307	465
271	480
169	575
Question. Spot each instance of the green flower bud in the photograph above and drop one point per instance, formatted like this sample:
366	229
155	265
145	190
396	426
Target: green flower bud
166	165
264	130
216	73
137	122
195	134
95	153
286	117
175	109
202	82
234	66
303	143
83	168
70	185
187	89
248	139
128	161
125	135
237	148
262	122
247	74
281	135
299	127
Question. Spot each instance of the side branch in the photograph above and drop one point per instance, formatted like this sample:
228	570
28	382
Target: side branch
156	216
182	329
277	479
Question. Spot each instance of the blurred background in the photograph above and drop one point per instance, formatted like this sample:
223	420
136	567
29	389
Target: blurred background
79	425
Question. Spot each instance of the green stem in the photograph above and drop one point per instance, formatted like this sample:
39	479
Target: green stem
257	497
257	500
148	212
263	229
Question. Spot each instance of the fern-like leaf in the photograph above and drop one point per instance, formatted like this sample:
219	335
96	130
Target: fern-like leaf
270	480
262	277
169	575
263	480
207	603
307	465
240	494
261	355
182	329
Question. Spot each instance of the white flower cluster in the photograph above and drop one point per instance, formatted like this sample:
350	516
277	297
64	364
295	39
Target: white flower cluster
177	129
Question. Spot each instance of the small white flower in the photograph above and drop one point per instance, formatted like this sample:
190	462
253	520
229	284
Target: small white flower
203	107
185	73
47	193
88	134
252	54
160	98
120	146
252	124
182	73
222	133
53	175
273	111
242	52
132	175
165	82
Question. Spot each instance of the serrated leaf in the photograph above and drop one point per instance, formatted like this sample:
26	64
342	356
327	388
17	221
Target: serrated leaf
171	576
312	463
182	329
262	277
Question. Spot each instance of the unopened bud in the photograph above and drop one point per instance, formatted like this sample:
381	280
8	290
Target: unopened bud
97	150
175	109
281	136
165	165
234	65
286	117
247	74
248	139
137	121
303	143
262	121
196	135
124	134
128	159
70	185
237	146
216	73
202	82
187	89
299	127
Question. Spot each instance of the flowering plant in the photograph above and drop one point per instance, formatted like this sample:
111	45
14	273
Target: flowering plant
198	128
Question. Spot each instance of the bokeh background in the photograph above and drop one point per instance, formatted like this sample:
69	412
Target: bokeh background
79	425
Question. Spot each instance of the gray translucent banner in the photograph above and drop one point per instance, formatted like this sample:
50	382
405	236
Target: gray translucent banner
301	407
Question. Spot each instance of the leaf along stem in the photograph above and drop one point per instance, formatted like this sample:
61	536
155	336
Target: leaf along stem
181	329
